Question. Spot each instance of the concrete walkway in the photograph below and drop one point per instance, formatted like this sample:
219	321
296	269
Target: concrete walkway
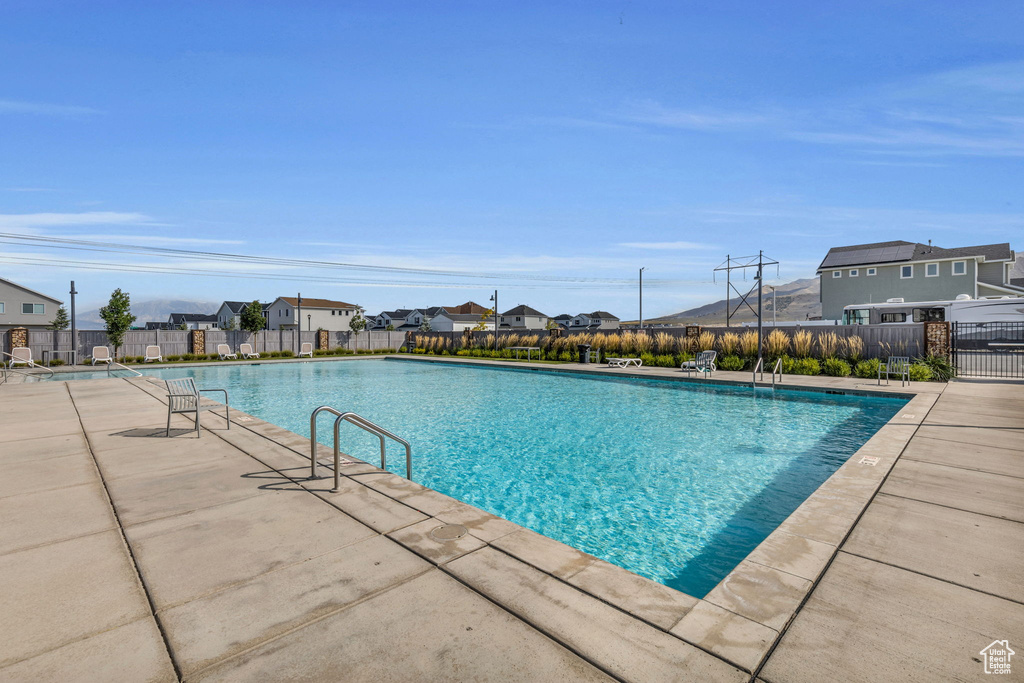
125	555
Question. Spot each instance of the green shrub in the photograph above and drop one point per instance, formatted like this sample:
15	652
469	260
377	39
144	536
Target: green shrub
188	356
664	361
836	368
731	363
942	369
804	366
920	373
647	358
565	356
867	369
55	362
287	353
173	359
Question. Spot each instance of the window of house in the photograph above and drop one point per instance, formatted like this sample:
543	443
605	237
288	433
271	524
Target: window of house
894	317
854	272
348	312
33	309
334	313
518	318
871	271
959	267
906	272
287	312
931	270
837	273
922	315
2	307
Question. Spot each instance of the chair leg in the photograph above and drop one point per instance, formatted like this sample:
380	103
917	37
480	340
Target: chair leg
198	433
168	422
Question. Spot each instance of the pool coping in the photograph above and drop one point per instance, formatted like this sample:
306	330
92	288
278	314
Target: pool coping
742	618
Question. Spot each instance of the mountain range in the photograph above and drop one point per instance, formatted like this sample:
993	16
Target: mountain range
797	300
156	310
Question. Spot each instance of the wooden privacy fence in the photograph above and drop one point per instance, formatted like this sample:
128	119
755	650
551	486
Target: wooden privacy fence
176	342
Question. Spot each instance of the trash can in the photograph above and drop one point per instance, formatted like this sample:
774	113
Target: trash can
584	351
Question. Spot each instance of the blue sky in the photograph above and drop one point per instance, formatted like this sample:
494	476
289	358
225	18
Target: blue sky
527	140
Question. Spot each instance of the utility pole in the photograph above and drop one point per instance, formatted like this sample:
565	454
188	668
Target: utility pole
495	300
742	263
298	324
642	298
774	307
74	328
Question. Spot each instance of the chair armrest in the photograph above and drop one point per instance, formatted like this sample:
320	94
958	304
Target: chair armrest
225	392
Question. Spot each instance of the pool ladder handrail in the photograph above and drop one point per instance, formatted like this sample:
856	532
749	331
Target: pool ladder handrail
31	364
124	367
363	424
776	369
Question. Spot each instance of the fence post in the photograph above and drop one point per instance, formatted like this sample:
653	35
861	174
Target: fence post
936	339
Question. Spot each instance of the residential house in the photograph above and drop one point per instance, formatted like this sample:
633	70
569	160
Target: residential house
24	307
459	322
402	319
592	322
191	321
231	312
522	318
283	312
406	319
564	320
874	273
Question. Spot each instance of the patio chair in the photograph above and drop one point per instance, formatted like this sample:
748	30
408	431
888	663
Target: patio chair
704	362
895	365
306	349
101	354
623	362
184	397
21	355
224	351
247	352
153	354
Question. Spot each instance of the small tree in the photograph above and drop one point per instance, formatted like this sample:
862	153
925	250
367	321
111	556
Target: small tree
425	326
484	318
390	327
231	325
61	321
358	323
117	315
183	327
251	318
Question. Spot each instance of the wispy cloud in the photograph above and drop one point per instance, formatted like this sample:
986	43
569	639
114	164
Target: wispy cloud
674	246
28	221
657	114
45	109
29	189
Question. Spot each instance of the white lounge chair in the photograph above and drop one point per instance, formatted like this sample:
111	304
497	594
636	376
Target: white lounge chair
306	349
895	365
247	352
224	351
704	362
153	354
101	354
21	355
184	397
623	362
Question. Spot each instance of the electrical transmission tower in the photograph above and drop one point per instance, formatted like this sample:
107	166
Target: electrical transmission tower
742	263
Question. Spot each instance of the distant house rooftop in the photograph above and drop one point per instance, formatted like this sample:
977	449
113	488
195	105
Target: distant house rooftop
316	303
522	309
603	315
179	318
901	252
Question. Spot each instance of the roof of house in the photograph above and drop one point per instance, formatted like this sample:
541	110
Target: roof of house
400	313
178	318
315	303
563	316
468	307
466	318
434	310
237	306
523	309
901	252
31	291
603	315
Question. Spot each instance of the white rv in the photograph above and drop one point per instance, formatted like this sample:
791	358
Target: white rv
963	309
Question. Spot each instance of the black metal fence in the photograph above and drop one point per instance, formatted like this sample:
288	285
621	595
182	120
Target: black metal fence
993	349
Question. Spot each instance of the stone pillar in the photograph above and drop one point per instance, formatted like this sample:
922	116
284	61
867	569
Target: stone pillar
323	340
937	339
17	336
197	341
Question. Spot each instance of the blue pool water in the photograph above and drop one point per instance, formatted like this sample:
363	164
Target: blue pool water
673	481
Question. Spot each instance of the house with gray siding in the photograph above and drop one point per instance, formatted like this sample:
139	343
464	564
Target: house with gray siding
522	318
24	307
874	273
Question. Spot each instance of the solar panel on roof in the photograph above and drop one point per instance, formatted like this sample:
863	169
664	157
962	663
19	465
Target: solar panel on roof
874	255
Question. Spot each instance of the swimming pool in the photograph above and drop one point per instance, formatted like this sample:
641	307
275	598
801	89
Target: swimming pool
674	481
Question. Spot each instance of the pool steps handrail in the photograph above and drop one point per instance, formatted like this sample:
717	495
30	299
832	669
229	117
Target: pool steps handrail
363	424
31	375
776	369
31	363
112	363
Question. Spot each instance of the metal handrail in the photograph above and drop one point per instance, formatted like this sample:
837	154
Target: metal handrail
758	367
125	367
777	368
363	424
31	363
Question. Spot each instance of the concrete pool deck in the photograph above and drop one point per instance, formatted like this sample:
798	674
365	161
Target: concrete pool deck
129	556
